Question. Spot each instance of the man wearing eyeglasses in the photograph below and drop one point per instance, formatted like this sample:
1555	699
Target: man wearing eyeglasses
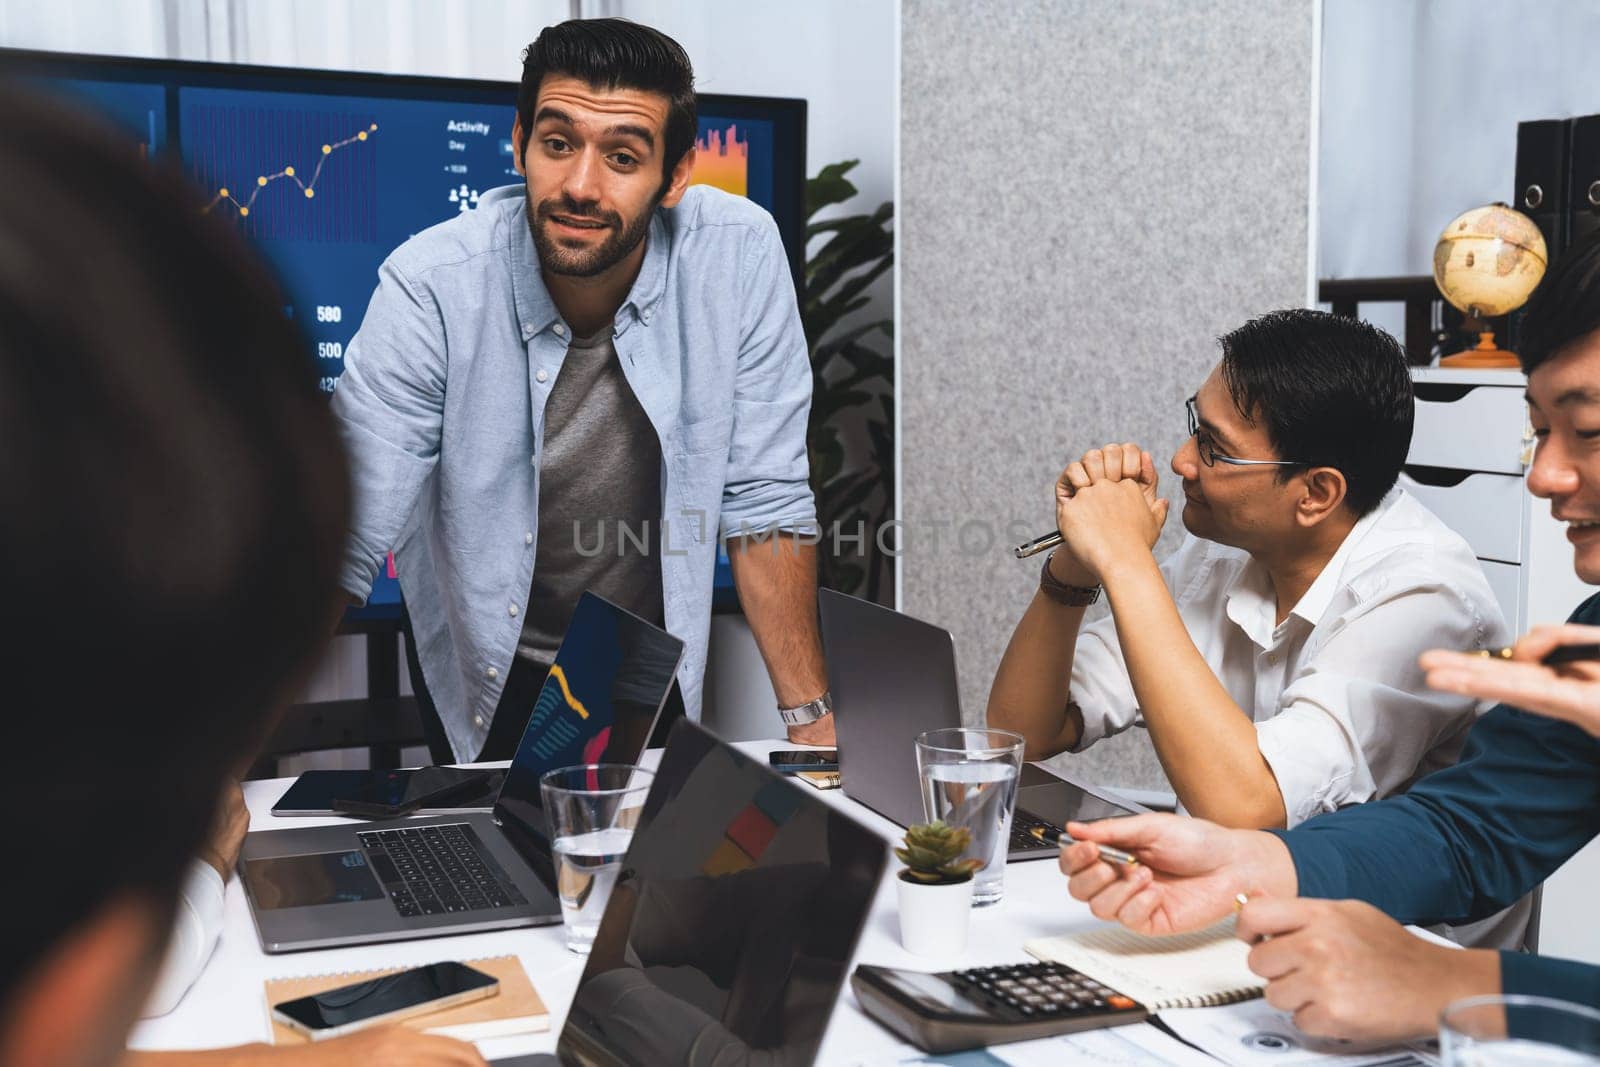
1273	656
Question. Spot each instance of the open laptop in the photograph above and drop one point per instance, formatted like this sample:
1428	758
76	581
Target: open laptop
396	879
893	677
732	923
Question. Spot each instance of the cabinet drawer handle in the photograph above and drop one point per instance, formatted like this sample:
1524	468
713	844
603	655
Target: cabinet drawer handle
1439	477
1440	392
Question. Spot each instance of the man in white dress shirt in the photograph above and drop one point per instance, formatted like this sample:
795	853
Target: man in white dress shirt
1273	655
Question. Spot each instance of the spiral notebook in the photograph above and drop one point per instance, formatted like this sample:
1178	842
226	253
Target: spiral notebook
1196	970
515	1009
819	779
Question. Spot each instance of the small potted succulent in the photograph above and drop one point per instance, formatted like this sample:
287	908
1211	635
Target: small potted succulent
935	888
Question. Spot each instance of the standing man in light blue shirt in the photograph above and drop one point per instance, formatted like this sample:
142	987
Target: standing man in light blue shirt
578	385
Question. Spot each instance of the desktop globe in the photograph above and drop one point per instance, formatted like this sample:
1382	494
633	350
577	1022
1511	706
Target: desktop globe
1486	263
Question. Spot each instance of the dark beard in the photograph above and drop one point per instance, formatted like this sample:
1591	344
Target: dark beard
556	259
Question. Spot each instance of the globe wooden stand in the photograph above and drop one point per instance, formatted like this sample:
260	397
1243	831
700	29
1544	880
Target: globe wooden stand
1484	354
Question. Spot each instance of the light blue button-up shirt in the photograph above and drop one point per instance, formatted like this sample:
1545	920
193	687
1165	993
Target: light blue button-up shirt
442	409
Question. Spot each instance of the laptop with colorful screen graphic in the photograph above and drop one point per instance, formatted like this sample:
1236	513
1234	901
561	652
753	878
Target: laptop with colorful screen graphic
397	879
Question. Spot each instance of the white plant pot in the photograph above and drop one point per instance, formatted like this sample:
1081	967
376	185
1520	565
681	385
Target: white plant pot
933	918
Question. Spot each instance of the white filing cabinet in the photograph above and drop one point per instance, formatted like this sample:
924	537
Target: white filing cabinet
1469	454
1468	459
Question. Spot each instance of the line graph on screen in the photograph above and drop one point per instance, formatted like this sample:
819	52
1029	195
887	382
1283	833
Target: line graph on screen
289	175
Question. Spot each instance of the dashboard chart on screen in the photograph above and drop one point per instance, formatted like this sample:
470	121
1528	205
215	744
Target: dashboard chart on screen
327	173
735	157
328	185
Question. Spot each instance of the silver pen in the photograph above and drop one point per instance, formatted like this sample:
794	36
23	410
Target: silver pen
1038	545
1107	853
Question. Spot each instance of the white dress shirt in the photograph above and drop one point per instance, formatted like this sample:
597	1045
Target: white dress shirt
194	934
1341	711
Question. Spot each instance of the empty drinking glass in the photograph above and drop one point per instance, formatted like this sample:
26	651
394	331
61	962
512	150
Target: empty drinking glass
592	809
969	778
1518	1031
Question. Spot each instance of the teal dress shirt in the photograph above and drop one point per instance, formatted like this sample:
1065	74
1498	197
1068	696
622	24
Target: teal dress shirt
1471	839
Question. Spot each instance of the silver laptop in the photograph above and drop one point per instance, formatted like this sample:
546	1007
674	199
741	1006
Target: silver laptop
397	879
893	677
730	930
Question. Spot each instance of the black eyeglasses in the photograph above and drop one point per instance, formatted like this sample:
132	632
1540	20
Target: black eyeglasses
1208	448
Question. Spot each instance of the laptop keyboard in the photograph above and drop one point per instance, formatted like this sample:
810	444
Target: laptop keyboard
434	870
1030	831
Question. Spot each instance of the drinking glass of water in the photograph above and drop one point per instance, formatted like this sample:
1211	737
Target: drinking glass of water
1518	1031
969	778
592	810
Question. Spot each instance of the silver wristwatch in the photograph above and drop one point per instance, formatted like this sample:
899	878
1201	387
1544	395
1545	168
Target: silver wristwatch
810	711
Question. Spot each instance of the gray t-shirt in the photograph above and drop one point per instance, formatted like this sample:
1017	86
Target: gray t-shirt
599	499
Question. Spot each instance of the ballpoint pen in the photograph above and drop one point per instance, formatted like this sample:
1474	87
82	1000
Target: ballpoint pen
1037	545
1107	853
1554	658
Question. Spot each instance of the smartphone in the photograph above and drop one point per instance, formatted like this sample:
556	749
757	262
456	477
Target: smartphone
385	1000
400	793
790	760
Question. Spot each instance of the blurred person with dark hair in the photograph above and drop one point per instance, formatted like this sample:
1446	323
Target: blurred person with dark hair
1272	656
175	514
1326	899
575	386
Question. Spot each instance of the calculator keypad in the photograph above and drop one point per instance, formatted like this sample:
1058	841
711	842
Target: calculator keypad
1040	990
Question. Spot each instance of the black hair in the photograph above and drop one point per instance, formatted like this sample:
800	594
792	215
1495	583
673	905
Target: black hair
615	54
1330	391
1565	306
175	511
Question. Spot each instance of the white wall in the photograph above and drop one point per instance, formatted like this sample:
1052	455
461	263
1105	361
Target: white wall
458	38
1420	105
117	27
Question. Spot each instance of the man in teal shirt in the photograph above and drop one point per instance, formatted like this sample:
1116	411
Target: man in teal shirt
1464	842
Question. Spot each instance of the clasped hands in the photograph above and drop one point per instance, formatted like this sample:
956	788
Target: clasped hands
1106	508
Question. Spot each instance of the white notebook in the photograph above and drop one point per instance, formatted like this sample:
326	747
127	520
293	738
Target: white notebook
1195	970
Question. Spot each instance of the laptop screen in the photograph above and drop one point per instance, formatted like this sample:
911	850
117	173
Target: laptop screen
598	703
893	677
732	922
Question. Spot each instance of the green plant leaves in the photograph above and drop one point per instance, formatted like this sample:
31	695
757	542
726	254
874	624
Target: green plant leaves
851	436
830	186
932	850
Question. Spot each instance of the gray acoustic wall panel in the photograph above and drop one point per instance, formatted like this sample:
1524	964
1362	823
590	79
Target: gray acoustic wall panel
1091	192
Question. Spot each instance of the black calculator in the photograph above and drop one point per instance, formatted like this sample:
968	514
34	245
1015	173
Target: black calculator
951	1011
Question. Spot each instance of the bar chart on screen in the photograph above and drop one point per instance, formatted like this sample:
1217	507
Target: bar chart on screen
723	159
734	155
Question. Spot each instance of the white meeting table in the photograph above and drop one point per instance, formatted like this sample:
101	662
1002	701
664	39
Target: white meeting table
226	1006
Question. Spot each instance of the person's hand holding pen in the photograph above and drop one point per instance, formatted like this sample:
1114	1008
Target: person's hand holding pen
1552	670
1344	969
1187	874
1106	503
